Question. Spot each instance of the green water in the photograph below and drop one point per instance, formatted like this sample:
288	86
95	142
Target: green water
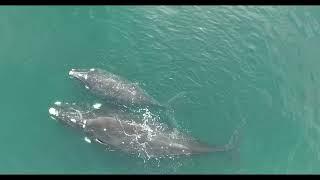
258	65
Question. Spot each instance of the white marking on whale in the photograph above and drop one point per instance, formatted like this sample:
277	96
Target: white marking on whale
58	103
87	139
53	111
97	106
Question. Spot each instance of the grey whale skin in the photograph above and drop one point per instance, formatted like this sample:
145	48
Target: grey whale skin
113	87
127	135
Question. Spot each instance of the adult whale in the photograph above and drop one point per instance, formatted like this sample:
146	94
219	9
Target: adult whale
113	87
130	136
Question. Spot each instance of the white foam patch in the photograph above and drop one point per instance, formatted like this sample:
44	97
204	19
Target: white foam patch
73	120
58	103
53	111
104	129
97	106
85	76
87	87
87	139
92	69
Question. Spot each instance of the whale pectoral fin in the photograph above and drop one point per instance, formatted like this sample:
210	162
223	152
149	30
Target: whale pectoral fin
170	110
172	122
175	97
235	157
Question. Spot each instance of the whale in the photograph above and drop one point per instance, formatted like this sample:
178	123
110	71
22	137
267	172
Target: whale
124	133
113	88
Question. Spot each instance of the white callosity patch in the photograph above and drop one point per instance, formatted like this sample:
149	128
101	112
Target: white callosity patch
87	139
92	69
84	124
73	120
71	72
53	111
58	103
80	75
97	106
87	87
104	129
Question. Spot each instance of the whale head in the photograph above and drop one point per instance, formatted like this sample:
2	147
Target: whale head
86	76
67	113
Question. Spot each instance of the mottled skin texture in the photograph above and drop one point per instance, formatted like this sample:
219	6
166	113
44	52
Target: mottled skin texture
130	136
133	138
113	87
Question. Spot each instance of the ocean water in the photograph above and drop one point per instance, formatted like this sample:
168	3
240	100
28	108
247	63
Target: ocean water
251	66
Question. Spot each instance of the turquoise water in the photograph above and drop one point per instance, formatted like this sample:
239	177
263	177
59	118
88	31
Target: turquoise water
255	66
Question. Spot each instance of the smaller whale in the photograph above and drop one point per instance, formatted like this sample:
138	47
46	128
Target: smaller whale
122	133
113	87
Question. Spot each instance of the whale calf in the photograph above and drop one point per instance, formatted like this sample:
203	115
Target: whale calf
113	87
127	135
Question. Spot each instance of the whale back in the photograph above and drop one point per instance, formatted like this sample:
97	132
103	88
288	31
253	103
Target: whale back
133	137
113	88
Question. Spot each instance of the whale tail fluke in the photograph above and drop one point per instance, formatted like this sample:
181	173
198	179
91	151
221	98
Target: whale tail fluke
169	103
179	95
206	148
232	145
